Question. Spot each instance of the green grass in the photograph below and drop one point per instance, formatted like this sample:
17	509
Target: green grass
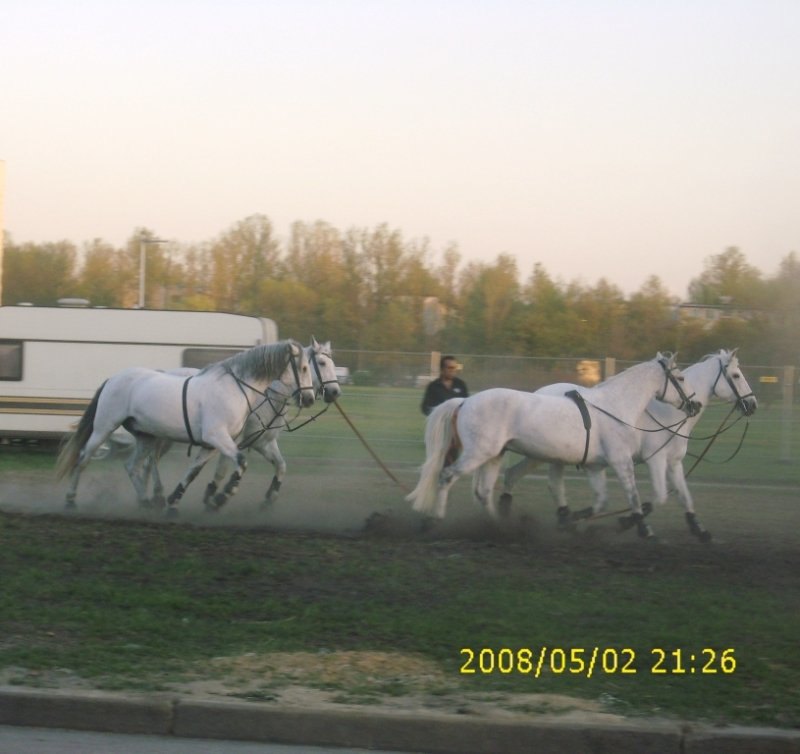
131	604
127	604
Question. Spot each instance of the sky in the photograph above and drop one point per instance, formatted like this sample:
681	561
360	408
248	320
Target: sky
612	139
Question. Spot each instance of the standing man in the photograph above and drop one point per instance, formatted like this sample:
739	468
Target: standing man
445	386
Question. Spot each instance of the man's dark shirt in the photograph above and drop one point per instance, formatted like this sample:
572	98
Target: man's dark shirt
437	393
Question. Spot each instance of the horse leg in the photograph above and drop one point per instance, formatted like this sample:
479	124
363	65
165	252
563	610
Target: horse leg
625	472
157	499
213	486
510	478
483	484
597	481
272	453
232	486
555	483
219	440
678	481
657	467
200	460
138	464
599	485
466	463
96	439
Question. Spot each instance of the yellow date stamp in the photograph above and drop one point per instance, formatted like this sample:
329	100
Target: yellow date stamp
590	661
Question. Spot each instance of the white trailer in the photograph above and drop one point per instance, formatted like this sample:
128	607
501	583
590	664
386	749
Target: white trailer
53	359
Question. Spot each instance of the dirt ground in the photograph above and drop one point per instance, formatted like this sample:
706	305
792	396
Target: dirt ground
359	501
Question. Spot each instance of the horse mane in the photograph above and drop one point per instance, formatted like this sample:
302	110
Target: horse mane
666	354
721	352
260	362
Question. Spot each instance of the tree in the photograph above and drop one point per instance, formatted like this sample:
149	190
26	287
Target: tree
546	318
651	322
728	278
102	275
39	273
240	260
489	295
602	314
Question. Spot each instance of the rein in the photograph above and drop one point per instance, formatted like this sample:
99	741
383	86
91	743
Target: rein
713	437
661	427
280	412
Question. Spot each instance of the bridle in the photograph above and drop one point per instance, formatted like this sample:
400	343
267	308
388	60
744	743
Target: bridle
690	407
323	383
266	397
741	400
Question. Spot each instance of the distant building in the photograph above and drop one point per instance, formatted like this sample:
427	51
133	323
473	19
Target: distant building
710	314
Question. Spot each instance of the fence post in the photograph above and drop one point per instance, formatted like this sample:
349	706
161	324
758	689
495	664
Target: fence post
788	405
436	357
610	368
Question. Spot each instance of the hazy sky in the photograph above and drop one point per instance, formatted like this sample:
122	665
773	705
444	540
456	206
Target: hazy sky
598	137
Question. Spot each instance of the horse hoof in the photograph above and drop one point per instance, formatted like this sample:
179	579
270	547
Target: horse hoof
705	536
171	512
647	509
625	522
428	524
70	505
376	523
504	505
219	501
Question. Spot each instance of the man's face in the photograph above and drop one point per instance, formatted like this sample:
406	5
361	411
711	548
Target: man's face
449	368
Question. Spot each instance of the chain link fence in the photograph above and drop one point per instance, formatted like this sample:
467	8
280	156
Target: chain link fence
775	387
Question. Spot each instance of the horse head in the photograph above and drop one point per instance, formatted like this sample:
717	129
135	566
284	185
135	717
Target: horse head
731	384
684	394
298	363
323	370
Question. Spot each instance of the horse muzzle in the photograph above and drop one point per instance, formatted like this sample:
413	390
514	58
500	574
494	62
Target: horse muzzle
331	393
692	408
748	405
305	397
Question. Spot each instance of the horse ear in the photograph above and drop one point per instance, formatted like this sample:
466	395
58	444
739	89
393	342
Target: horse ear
314	343
734	351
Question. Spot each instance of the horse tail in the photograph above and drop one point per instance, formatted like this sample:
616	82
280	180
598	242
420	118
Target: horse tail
439	435
68	455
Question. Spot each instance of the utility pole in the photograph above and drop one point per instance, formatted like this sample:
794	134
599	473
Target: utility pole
143	242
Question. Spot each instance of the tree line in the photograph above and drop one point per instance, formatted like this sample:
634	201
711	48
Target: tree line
372	289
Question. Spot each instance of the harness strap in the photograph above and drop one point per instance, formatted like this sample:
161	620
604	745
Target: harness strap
587	419
186	413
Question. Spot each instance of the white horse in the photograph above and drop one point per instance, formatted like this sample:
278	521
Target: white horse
663	439
208	409
261	432
546	428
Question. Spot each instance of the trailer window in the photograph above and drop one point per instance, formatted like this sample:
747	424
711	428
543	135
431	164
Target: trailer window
10	359
197	358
